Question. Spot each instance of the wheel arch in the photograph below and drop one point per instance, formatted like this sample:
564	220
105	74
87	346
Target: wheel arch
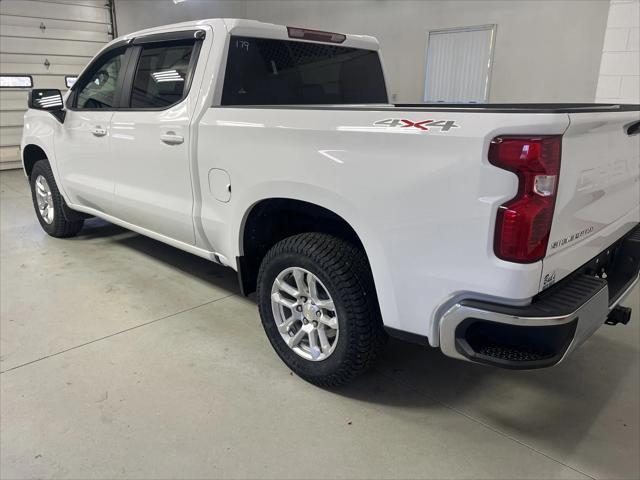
349	225
31	153
270	220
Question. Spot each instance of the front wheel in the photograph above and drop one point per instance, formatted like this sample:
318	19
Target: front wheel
319	308
49	204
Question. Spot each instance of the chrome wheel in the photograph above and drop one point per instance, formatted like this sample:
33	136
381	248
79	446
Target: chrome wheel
304	313
44	198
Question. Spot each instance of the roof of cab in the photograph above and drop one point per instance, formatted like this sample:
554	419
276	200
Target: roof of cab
250	28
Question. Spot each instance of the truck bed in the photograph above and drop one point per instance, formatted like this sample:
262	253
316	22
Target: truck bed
461	107
523	107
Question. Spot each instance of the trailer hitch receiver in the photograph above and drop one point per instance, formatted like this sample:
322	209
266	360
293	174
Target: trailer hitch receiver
619	315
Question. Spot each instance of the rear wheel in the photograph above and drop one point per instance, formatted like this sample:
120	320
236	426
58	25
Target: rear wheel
49	205
319	308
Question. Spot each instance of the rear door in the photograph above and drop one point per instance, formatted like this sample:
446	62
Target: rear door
151	136
598	192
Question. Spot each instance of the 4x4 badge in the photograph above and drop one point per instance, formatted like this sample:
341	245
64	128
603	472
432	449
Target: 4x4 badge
424	125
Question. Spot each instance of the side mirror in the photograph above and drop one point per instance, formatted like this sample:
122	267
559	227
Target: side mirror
49	100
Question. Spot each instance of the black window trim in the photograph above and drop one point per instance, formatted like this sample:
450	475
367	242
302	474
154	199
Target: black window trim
133	48
170	37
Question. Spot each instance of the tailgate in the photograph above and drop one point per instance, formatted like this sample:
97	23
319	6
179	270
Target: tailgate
598	191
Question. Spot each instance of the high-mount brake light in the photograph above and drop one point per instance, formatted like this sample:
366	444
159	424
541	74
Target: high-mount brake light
523	224
315	35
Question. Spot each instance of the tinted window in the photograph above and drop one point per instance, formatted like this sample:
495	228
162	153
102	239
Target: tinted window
161	76
280	72
99	89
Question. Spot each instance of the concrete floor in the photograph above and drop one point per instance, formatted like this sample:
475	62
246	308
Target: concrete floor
124	358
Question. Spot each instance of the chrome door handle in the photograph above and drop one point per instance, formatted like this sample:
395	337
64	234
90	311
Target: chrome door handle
99	132
170	138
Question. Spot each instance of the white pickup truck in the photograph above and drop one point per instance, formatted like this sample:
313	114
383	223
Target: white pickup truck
502	234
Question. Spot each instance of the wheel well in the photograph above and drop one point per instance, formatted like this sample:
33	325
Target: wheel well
272	220
31	154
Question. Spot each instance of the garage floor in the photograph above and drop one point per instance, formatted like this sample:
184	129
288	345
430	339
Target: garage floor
125	358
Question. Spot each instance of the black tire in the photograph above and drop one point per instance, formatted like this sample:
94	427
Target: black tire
61	226
344	270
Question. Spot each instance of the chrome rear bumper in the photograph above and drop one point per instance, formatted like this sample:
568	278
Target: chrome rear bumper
556	322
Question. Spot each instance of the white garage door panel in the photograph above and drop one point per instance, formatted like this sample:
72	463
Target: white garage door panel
13	100
62	11
11	118
54	33
15	58
39	46
10	136
8	157
40	69
47	39
70	25
13	95
87	3
14	106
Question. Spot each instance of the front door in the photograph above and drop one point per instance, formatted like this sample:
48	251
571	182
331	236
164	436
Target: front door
83	147
150	140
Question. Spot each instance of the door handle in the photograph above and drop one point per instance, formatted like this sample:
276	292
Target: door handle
99	132
170	138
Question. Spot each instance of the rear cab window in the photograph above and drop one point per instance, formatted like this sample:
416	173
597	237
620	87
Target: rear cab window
264	71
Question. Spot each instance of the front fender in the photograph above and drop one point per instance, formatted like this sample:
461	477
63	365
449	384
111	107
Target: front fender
40	129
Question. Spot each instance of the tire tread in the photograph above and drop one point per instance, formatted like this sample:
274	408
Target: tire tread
61	226
349	270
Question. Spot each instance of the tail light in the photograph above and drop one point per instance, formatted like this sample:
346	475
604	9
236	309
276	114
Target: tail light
523	223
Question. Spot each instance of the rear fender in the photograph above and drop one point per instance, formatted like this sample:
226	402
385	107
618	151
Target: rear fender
340	206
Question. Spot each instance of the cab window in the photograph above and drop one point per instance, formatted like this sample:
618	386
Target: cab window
99	89
263	71
162	75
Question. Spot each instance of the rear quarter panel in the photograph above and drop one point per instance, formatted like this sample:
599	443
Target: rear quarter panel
422	201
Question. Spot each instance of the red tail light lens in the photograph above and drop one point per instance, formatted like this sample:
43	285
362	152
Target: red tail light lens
523	223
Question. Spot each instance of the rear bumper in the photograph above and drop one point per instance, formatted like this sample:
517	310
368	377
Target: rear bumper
556	322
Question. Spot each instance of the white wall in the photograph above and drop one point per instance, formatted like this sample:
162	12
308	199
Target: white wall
132	15
546	51
619	79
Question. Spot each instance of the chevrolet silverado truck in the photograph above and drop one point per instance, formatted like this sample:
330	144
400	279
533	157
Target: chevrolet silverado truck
503	234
